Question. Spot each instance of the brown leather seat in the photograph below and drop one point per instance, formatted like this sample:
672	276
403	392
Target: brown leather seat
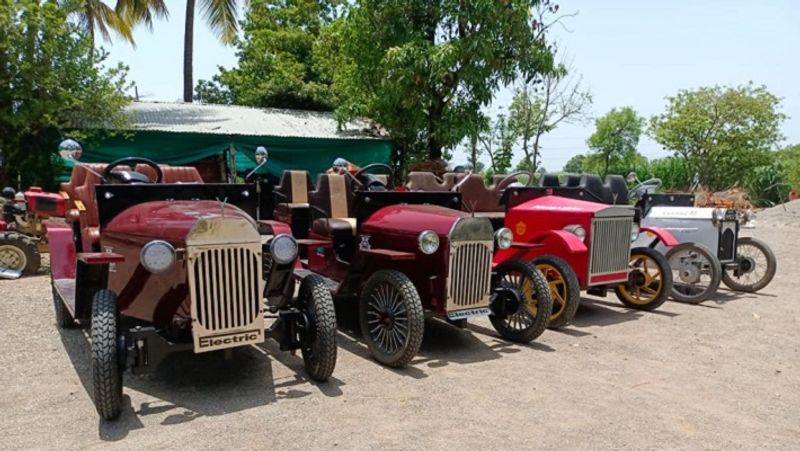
476	197
171	174
426	181
333	200
292	192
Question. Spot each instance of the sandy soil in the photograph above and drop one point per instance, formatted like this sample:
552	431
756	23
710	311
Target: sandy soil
723	375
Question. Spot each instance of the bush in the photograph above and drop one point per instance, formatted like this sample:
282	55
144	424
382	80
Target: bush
674	173
768	185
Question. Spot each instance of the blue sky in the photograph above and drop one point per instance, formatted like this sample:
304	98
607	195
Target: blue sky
629	52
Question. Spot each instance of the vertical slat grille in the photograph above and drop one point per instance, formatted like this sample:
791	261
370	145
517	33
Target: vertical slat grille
226	288
469	274
610	245
727	242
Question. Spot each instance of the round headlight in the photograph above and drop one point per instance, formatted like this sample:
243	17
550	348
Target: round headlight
428	242
157	256
576	230
634	232
504	237
283	249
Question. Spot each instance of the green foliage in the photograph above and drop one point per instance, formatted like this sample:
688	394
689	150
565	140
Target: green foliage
614	142
282	61
722	132
51	81
790	158
673	172
575	164
767	184
425	68
498	144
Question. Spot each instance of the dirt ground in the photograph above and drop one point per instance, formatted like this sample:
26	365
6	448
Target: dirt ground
722	375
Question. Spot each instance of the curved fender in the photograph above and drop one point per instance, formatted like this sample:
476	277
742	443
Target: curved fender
270	227
571	243
662	235
62	250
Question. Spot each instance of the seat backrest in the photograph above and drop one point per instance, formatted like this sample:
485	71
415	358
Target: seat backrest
618	188
497	179
477	197
594	185
171	174
294	187
550	181
573	180
333	196
76	179
426	181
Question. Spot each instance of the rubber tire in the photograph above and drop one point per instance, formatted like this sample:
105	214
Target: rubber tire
64	318
416	317
666	280
772	267
106	371
716	272
573	290
315	300
27	246
544	307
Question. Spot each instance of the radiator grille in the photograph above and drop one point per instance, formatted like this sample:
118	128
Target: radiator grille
225	286
610	245
469	274
727	242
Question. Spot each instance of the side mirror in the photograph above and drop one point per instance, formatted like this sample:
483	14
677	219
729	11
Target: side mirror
261	155
71	150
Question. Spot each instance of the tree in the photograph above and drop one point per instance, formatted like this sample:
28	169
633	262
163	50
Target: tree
51	82
615	138
424	68
97	15
221	18
279	58
498	144
539	108
722	132
575	164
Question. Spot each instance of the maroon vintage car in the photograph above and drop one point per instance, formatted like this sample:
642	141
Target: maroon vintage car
403	255
167	266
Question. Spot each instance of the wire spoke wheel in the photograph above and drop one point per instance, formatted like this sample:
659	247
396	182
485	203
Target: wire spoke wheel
391	317
527	316
696	272
649	282
755	266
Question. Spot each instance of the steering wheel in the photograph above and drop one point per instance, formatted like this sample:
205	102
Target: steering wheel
131	161
362	172
653	183
507	179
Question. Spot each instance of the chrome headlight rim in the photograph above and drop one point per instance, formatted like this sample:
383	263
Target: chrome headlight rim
279	255
504	238
577	230
635	230
146	256
428	242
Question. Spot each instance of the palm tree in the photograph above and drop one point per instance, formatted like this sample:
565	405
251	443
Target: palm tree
221	18
96	15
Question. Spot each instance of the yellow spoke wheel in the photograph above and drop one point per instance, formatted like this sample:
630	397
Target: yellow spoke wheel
564	289
649	282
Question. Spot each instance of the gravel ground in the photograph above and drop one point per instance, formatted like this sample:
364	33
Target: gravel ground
722	375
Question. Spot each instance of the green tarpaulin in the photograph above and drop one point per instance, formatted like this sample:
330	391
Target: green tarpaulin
314	155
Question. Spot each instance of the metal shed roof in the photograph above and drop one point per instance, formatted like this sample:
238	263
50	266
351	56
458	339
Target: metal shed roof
239	120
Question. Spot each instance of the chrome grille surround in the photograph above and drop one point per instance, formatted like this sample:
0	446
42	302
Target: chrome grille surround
610	242
469	269
224	266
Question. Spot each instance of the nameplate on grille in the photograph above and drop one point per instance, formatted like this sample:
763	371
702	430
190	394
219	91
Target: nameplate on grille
469	313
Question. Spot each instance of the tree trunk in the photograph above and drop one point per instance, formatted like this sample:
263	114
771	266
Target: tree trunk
188	53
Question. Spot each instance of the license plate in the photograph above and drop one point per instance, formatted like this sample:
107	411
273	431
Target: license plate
469	313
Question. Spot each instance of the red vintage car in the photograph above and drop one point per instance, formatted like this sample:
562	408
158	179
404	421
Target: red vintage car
403	255
578	242
170	264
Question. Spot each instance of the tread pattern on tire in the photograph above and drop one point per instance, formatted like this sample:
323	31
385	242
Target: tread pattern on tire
772	267
416	316
666	280
26	244
716	273
544	305
318	303
573	290
106	373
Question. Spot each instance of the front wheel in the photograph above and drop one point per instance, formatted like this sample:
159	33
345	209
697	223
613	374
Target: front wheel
319	348
565	289
755	266
649	282
527	301
696	272
391	317
106	370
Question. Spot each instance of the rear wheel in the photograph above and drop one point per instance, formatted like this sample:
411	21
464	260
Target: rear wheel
106	368
696	272
649	282
526	317
756	266
319	350
64	318
19	253
564	289
391	317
